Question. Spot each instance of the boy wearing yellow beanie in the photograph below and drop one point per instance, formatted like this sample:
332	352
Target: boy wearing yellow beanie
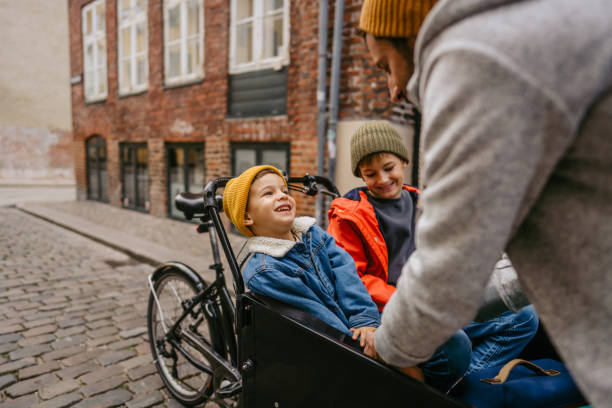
294	260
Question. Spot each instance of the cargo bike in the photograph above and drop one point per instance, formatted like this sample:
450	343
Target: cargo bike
247	350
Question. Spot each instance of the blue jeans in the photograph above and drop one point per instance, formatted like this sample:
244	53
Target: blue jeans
480	345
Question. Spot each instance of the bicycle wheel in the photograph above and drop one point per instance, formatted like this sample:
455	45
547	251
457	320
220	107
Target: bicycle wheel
185	382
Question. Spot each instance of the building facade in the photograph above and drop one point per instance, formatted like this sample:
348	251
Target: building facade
35	112
169	94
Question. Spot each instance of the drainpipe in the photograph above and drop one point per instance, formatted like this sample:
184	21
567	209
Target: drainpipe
321	103
335	88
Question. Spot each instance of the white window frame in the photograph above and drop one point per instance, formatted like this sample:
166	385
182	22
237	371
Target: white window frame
99	33
257	20
199	72
131	21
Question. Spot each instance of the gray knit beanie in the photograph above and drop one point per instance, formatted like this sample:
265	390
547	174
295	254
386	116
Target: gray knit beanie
375	137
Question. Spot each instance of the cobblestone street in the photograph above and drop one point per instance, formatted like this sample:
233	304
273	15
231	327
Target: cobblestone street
73	315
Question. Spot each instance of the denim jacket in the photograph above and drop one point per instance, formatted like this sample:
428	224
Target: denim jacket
312	274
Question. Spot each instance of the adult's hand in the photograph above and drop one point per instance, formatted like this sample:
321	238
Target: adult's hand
370	350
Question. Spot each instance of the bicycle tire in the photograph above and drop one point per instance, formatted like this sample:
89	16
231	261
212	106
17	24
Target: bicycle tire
187	384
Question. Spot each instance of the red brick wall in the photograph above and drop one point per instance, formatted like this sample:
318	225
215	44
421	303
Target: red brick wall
197	112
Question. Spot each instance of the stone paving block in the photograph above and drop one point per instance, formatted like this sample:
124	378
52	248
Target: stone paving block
42	315
103	386
121	317
51	391
98	316
32	341
123	344
105	331
144	347
99	324
16	365
55	306
136	361
31	351
132	323
37	331
36	323
8	347
70	331
108	295
62	353
10	338
7	380
27	401
66	400
54	300
38	369
68	341
146	384
101	374
137	331
62	324
13	321
12	293
146	400
11	329
77	370
102	341
112	398
142	371
113	357
82	357
31	385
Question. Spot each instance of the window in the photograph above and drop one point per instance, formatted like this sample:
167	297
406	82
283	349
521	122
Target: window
94	51
134	171
184	39
186	172
97	173
259	35
245	155
133	45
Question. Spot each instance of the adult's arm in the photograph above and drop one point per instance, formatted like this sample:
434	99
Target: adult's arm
488	151
350	239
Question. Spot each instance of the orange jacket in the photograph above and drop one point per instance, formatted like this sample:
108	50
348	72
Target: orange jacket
354	225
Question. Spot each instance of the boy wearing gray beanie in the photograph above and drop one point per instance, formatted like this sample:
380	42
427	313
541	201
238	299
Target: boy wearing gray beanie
375	225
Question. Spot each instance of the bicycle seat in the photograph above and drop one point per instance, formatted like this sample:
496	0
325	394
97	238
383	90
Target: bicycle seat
189	204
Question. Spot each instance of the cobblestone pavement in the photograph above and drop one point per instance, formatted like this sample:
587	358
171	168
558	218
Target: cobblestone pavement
73	321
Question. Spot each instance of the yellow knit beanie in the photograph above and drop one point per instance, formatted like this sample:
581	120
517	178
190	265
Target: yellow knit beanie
236	196
394	18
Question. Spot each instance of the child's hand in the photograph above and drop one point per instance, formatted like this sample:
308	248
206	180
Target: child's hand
361	332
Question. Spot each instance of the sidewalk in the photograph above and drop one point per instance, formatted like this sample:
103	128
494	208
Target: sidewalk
142	236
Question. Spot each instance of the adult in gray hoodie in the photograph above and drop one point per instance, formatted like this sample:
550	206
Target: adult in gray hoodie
516	103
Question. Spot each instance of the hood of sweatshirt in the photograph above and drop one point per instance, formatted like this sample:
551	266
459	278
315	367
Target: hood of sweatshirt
443	15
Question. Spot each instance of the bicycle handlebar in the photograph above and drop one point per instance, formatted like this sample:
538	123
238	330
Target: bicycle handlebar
310	183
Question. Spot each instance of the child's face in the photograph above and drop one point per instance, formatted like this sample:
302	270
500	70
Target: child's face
271	210
384	175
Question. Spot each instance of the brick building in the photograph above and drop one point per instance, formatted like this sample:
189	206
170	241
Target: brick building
168	94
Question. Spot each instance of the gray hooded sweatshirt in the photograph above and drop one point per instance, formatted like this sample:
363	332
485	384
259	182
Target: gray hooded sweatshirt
516	98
